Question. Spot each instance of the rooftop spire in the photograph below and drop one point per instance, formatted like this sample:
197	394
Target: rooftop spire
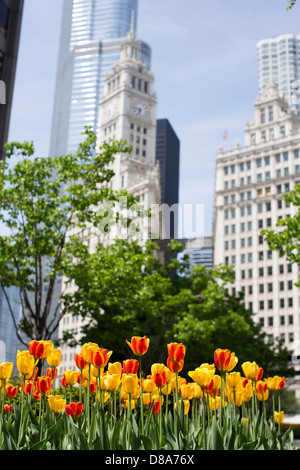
132	22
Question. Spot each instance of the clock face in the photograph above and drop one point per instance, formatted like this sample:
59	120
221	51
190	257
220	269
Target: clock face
110	110
140	109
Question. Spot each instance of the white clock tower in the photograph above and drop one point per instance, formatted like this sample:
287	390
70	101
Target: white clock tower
128	113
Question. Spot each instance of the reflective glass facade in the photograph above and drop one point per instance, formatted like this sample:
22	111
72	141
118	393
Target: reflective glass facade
94	20
91	38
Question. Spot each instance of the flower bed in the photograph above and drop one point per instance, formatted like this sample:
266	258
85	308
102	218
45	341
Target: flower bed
105	405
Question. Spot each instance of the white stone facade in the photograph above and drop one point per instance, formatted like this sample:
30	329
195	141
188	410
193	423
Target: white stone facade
249	185
128	113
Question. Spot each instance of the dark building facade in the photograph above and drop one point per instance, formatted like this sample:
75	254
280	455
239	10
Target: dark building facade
11	12
168	157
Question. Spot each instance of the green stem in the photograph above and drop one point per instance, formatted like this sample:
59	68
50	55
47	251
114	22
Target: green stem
88	403
203	419
142	403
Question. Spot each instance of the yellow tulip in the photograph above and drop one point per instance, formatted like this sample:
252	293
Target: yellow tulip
279	417
273	383
115	368
146	398
149	385
252	371
158	367
130	383
197	391
202	376
187	391
186	406
6	369
48	348
208	366
132	403
233	380
86	351
236	397
56	403
105	396
213	402
233	362
112	382
54	359
25	364
167	389
95	372
180	381
216	382
247	392
262	396
71	376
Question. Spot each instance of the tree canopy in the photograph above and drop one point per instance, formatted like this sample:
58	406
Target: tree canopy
42	202
126	290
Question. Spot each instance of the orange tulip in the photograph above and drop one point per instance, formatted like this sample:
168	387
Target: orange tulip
79	361
175	366
36	349
74	409
156	406
11	391
44	384
160	378
8	408
52	373
100	357
222	359
130	366
176	351
138	345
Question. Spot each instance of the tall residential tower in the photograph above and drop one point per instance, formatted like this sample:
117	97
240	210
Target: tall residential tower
279	60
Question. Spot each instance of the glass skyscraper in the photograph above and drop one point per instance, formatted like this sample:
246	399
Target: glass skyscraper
279	60
90	44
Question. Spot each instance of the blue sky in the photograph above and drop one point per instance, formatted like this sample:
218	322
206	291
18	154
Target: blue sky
205	65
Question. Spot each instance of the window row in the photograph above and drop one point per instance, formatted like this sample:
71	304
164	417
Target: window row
283	320
268	287
268	271
259	162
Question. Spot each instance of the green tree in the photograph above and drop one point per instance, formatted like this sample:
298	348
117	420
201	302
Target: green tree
44	205
291	4
286	237
126	290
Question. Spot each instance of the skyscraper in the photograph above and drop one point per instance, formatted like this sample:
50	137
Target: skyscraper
127	113
279	60
10	25
90	44
168	157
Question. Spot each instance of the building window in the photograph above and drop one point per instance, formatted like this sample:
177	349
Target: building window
262	116
282	131
271	114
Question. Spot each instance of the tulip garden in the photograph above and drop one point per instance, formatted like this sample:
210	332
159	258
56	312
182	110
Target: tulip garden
105	405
